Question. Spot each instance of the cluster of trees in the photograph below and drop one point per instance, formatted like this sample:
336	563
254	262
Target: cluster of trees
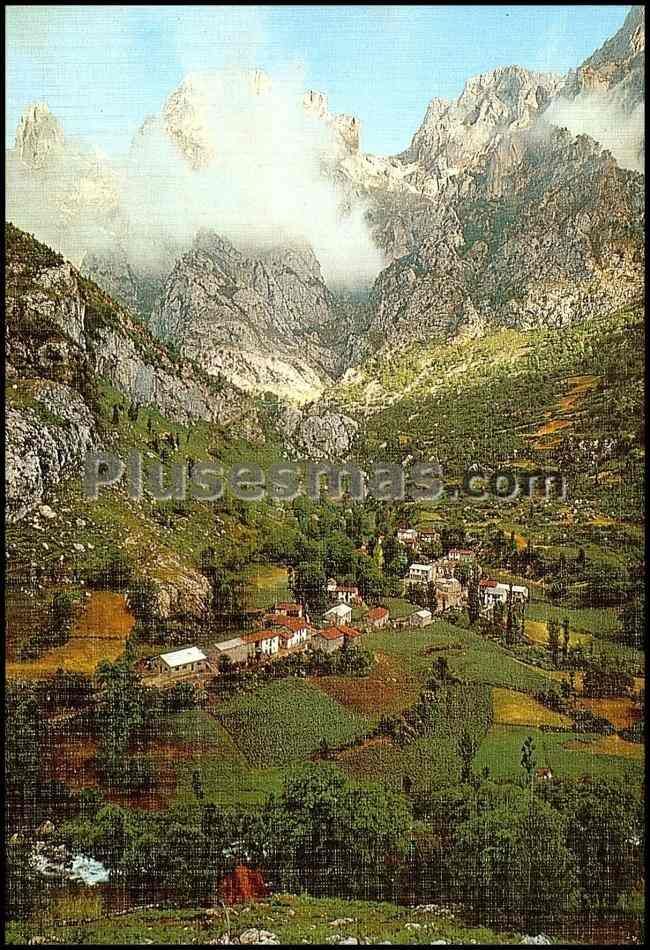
56	629
126	715
445	707
558	640
605	682
506	622
238	677
24	735
520	852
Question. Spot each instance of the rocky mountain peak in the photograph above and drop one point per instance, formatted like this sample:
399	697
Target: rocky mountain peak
347	128
627	43
39	135
619	60
504	99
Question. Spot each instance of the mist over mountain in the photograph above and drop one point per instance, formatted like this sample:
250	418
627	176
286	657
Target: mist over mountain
249	227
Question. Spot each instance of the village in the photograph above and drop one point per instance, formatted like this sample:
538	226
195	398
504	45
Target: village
286	627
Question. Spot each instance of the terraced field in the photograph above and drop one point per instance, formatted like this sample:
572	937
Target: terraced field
564	753
426	764
388	689
286	721
99	634
514	708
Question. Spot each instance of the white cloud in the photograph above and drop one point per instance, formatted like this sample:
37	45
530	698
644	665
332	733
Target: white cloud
601	115
265	187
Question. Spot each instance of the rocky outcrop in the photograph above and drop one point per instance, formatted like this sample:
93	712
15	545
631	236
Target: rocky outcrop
620	59
253	320
62	334
540	228
47	440
180	591
324	434
65	191
39	136
346	128
454	135
137	288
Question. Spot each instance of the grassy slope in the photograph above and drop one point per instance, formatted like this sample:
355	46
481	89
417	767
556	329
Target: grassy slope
293	919
567	756
285	721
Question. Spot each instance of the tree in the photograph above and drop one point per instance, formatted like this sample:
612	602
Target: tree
467	749
511	625
369	579
553	633
565	638
309	585
633	621
605	835
307	833
24	734
473	598
528	760
60	618
395	556
142	600
197	785
378	555
513	859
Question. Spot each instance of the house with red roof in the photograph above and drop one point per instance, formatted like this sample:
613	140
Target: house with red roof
328	639
262	643
292	631
377	617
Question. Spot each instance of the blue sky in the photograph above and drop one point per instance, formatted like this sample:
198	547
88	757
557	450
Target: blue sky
103	69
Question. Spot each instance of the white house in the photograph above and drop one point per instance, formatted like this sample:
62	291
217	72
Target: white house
407	535
341	614
292	631
181	662
346	594
519	592
235	649
263	642
420	618
421	573
461	554
429	536
495	592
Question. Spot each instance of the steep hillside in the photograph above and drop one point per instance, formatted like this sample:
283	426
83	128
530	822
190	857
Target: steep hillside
64	335
570	400
254	320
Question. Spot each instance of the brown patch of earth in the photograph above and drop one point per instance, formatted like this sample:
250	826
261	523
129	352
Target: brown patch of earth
388	689
619	710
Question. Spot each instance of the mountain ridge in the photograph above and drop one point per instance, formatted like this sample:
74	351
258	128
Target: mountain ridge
491	217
